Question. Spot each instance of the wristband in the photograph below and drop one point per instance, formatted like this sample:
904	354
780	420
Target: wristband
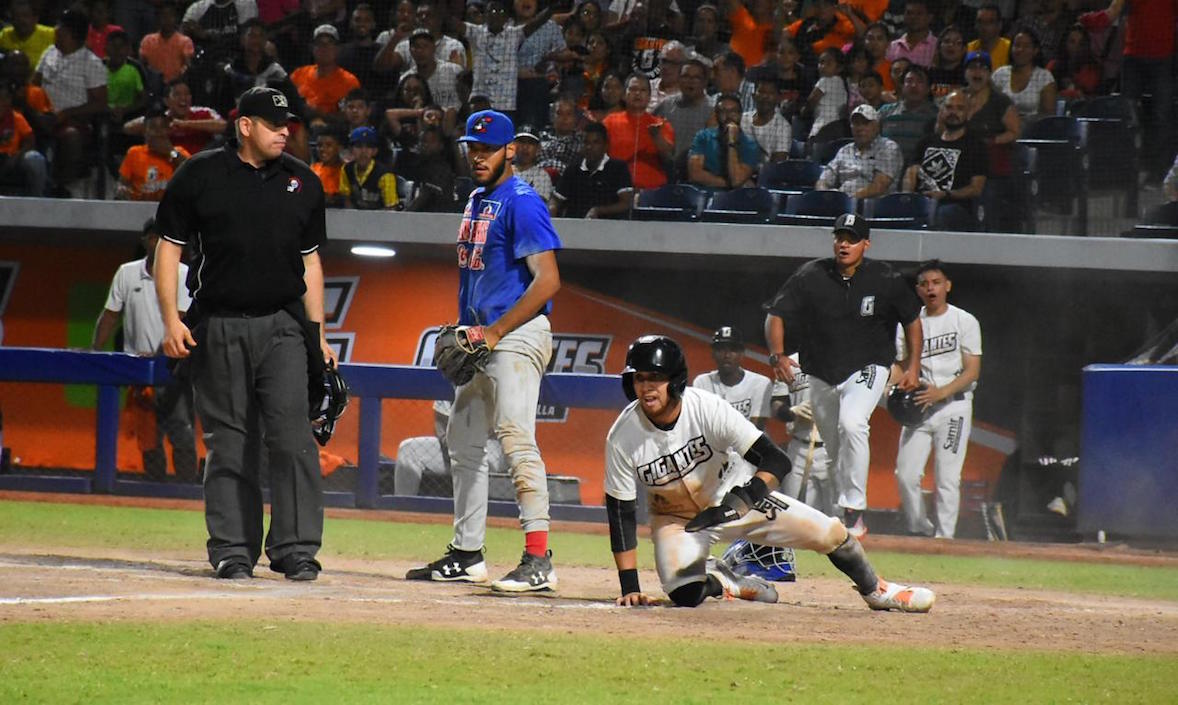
629	581
774	358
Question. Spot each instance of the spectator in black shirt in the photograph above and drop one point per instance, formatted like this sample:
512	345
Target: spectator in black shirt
598	187
951	168
432	171
358	54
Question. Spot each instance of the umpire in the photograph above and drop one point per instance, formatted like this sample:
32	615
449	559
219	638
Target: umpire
844	311
255	217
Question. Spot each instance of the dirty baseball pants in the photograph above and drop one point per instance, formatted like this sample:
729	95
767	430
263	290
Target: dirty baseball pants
842	412
500	400
250	382
681	558
946	433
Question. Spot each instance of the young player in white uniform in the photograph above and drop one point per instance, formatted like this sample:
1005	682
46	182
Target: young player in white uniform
950	363
672	438
427	455
747	392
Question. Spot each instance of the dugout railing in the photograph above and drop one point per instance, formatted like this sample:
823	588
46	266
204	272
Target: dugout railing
370	384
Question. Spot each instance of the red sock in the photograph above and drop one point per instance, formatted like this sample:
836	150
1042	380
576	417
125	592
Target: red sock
536	542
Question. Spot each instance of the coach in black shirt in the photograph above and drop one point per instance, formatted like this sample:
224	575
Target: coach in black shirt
843	312
255	218
598	187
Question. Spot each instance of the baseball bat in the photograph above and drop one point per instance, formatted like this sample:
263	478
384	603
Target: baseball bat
809	464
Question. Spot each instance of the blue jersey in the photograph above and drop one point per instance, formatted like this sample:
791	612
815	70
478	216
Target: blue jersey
499	229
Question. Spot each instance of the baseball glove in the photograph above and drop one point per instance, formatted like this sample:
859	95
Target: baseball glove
460	352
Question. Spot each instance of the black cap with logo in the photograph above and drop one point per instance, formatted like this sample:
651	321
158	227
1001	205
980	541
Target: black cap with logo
854	224
269	104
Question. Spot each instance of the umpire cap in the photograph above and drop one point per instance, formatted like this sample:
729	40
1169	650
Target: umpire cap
728	336
655	353
854	224
269	104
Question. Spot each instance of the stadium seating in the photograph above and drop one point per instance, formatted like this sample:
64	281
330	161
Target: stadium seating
674	202
1059	167
818	208
1114	141
754	206
1161	221
789	176
900	211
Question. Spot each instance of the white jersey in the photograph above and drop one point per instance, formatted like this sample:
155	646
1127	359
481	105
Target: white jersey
798	392
946	338
685	469
751	396
133	293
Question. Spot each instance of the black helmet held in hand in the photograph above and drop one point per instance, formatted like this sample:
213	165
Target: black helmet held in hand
655	353
903	407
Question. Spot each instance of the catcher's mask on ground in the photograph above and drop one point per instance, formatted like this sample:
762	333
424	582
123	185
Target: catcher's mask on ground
655	353
903	407
335	401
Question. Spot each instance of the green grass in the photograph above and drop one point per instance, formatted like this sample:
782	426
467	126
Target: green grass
95	526
276	662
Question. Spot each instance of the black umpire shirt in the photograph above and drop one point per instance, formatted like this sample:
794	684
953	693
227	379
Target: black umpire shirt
843	325
249	227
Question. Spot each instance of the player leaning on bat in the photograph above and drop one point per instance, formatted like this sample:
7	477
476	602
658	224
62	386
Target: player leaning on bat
672	438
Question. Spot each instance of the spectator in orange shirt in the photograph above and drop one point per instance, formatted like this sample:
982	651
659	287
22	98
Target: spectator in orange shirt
751	26
645	143
167	51
324	84
20	163
825	29
329	165
148	167
30	100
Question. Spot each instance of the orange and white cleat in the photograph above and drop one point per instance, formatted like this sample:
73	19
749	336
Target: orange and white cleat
894	596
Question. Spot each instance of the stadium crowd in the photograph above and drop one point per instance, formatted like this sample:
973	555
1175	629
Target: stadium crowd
610	97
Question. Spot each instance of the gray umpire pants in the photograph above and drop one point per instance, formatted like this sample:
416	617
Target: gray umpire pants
250	380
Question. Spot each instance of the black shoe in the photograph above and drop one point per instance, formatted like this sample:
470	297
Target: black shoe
533	574
455	566
234	569
297	566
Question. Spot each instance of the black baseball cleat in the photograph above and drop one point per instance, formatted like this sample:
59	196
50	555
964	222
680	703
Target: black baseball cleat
533	574
297	566
234	569
454	567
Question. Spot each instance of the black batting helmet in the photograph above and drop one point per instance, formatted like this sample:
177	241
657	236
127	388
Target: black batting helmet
335	402
727	335
903	407
655	353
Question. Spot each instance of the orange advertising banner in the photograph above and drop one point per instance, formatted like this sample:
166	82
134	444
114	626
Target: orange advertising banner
378	311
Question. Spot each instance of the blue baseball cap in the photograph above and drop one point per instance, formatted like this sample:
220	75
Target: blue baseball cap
489	127
981	57
364	136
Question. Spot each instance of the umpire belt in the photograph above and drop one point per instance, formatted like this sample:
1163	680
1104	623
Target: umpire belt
262	312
